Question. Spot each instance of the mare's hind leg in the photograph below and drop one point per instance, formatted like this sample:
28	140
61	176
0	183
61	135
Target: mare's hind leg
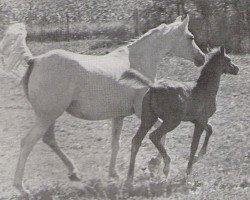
27	144
209	132
115	144
156	137
199	128
49	139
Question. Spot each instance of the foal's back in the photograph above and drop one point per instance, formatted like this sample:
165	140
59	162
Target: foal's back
170	97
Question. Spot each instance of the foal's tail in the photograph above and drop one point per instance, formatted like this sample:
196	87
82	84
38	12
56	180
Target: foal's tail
14	49
135	79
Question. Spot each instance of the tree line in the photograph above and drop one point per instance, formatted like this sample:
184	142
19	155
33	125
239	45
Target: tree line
213	22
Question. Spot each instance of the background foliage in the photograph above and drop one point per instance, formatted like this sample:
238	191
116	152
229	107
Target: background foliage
214	22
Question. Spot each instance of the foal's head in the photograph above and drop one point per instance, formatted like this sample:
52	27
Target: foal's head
221	61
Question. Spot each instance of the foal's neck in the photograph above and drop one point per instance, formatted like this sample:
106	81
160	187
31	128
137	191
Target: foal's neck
209	81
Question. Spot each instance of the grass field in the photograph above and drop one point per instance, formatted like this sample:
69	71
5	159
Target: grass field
224	173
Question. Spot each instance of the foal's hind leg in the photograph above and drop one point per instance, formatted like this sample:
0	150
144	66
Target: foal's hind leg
27	144
155	161
116	133
209	132
49	139
156	137
145	126
199	128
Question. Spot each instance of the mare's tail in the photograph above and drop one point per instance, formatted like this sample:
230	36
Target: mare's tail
14	49
135	79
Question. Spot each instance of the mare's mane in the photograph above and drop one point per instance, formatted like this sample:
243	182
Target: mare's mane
151	32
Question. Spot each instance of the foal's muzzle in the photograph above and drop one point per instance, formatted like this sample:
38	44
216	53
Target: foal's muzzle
235	69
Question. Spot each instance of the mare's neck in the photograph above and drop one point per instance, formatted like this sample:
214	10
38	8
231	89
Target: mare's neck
146	53
209	81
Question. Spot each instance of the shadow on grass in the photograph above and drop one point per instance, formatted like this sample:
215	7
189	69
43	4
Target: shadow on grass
96	189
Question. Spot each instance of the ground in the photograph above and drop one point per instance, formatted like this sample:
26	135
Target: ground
224	172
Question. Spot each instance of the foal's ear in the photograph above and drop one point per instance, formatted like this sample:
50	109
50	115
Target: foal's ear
209	49
222	50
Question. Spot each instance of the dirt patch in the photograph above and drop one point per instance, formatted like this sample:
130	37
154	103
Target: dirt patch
222	174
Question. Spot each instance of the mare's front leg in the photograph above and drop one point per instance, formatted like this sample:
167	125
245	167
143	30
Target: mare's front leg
199	128
115	144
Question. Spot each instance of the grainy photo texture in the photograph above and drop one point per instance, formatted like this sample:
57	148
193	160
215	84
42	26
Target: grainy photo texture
125	99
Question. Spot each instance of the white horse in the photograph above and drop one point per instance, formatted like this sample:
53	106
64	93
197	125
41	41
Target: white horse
87	86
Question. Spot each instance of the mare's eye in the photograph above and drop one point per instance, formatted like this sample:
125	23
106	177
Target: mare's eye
191	37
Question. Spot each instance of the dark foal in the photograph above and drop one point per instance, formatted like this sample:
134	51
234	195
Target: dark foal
174	102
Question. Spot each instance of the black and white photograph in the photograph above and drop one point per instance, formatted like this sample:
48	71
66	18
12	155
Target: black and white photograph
124	99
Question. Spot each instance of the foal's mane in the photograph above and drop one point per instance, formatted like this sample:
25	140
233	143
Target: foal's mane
209	65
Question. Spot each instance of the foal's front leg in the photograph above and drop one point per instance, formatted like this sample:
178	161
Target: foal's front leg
199	128
115	144
209	132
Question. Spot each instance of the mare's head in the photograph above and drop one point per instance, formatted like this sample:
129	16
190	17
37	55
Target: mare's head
184	44
218	59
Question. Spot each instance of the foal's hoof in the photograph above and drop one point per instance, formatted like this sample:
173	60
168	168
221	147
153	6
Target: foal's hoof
202	153
25	194
153	164
188	171
74	177
196	158
166	170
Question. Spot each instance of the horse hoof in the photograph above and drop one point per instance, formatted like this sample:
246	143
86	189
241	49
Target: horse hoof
74	177
113	174
25	194
201	153
196	158
154	162
188	171
128	185
166	171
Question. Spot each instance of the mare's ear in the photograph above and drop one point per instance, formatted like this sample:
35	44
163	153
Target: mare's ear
222	50
178	19
184	24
